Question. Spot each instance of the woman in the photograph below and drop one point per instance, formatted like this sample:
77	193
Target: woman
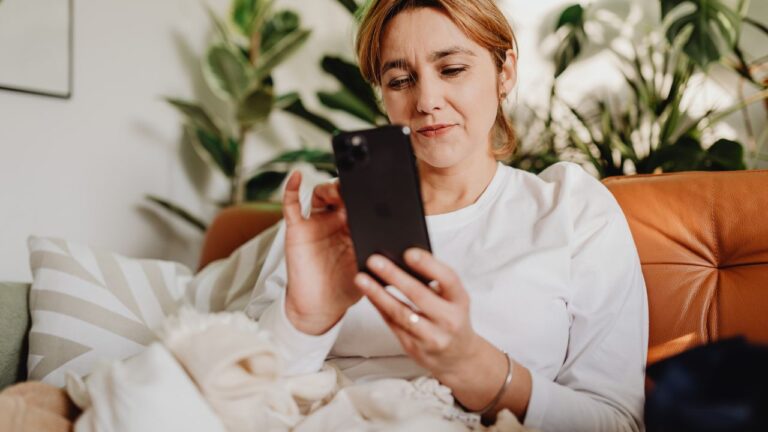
537	303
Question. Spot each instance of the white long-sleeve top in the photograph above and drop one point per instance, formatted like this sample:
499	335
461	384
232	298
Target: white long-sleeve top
554	280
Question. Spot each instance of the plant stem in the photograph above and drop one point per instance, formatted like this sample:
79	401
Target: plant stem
752	140
237	187
756	24
178	211
253	53
730	110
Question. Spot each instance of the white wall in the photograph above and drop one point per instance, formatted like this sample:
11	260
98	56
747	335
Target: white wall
79	169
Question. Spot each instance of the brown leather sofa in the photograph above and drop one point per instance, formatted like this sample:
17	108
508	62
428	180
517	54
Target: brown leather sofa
702	240
703	244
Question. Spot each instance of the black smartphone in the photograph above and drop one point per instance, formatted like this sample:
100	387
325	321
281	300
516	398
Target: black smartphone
379	183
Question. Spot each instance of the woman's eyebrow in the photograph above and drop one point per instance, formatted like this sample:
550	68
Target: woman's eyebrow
433	57
437	55
394	64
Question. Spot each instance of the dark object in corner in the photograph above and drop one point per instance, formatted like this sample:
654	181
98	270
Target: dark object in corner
718	387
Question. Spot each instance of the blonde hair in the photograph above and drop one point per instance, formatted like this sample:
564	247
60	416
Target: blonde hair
480	20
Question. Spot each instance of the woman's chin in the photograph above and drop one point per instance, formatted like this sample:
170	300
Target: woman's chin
439	161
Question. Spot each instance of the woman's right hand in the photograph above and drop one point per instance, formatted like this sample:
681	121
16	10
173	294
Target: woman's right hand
319	257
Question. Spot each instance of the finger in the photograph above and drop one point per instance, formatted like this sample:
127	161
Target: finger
431	304
291	203
394	311
408	341
448	283
435	342
325	196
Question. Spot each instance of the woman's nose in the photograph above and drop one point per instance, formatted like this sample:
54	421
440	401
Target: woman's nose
429	97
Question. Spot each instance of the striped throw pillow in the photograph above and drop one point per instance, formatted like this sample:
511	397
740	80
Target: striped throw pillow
87	306
226	284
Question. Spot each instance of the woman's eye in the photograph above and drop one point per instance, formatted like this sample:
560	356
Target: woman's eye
454	71
398	83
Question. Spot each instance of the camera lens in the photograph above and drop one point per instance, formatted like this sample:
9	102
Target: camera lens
357	141
360	152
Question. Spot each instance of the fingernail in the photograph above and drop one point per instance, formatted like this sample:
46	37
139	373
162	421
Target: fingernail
377	262
414	255
362	280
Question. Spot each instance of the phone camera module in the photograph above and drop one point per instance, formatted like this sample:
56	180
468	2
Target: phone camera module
359	148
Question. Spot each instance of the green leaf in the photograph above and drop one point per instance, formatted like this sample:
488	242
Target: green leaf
226	72
712	117
256	107
178	211
222	152
196	115
279	52
350	5
248	15
279	26
573	36
322	160
725	155
297	108
348	102
756	24
304	155
573	15
685	155
285	100
583	147
221	27
262	186
716	28
348	74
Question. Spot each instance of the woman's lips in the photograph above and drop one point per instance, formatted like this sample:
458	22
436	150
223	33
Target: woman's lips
436	130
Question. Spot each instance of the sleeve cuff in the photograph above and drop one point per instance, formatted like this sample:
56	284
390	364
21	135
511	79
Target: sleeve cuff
537	405
301	352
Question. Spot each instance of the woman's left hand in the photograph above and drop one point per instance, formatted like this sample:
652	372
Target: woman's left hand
439	336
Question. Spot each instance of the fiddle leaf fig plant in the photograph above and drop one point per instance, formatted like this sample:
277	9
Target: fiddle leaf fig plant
354	96
250	43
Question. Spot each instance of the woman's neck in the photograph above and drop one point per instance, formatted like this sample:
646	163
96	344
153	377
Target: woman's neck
444	190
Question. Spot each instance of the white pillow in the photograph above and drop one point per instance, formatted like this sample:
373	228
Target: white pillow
88	306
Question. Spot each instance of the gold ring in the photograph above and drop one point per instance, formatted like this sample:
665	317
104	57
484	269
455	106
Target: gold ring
414	318
435	285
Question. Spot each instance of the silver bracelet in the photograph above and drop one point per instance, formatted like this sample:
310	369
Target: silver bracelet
498	396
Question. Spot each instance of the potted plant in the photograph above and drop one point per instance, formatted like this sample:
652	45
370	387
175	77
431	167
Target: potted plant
648	128
250	42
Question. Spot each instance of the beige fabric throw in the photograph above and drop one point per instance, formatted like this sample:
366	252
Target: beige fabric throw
149	392
212	368
237	370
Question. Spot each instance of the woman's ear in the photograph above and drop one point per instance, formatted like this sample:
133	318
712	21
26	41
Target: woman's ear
508	75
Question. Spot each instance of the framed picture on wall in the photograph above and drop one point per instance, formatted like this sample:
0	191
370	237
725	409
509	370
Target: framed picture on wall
36	39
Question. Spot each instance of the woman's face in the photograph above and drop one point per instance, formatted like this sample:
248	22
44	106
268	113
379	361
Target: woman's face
443	85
